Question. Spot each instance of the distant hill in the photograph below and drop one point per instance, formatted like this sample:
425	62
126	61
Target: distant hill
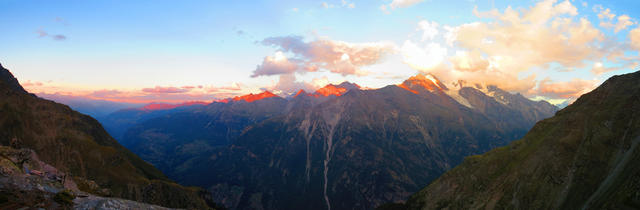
585	157
91	107
340	147
118	122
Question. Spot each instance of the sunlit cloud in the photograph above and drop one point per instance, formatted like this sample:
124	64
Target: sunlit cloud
165	94
571	89
159	89
321	54
423	58
513	44
30	83
607	19
277	64
634	37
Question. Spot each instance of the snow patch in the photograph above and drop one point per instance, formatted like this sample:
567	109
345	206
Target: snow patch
434	80
456	96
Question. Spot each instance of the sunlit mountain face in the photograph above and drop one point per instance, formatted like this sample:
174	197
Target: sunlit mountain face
333	104
319	144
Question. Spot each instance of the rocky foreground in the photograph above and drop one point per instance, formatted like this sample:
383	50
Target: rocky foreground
27	182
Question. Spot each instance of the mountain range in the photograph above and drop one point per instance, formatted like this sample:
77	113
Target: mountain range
585	157
76	145
340	147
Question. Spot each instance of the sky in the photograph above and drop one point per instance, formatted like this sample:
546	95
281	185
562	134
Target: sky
174	51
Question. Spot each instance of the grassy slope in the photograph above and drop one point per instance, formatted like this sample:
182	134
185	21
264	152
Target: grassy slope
559	164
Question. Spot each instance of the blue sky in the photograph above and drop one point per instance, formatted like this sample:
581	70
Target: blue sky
80	47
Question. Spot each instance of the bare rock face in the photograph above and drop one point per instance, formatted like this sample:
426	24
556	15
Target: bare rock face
27	182
585	157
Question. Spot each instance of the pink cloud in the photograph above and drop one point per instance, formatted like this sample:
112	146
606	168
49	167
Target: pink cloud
567	90
277	64
160	89
29	83
321	54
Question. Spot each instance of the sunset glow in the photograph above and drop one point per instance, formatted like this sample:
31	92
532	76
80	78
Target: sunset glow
552	50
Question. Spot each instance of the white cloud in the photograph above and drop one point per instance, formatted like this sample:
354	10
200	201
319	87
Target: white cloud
607	17
403	3
429	29
385	8
423	59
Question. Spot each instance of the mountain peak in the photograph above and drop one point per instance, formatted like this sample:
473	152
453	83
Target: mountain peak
421	81
9	81
336	90
331	89
301	92
255	97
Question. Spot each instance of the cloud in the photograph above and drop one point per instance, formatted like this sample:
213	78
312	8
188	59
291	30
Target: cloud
344	4
30	83
234	87
348	5
287	85
321	54
385	8
61	20
634	37
606	19
513	42
469	61
571	89
58	37
157	94
423	59
403	3
429	29
41	33
277	64
106	93
162	90
599	68
326	5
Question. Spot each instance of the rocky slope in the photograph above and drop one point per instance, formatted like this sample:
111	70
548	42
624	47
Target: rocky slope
585	157
340	148
27	182
78	145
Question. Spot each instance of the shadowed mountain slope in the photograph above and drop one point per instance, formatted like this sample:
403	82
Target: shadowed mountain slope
78	145
585	157
353	150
